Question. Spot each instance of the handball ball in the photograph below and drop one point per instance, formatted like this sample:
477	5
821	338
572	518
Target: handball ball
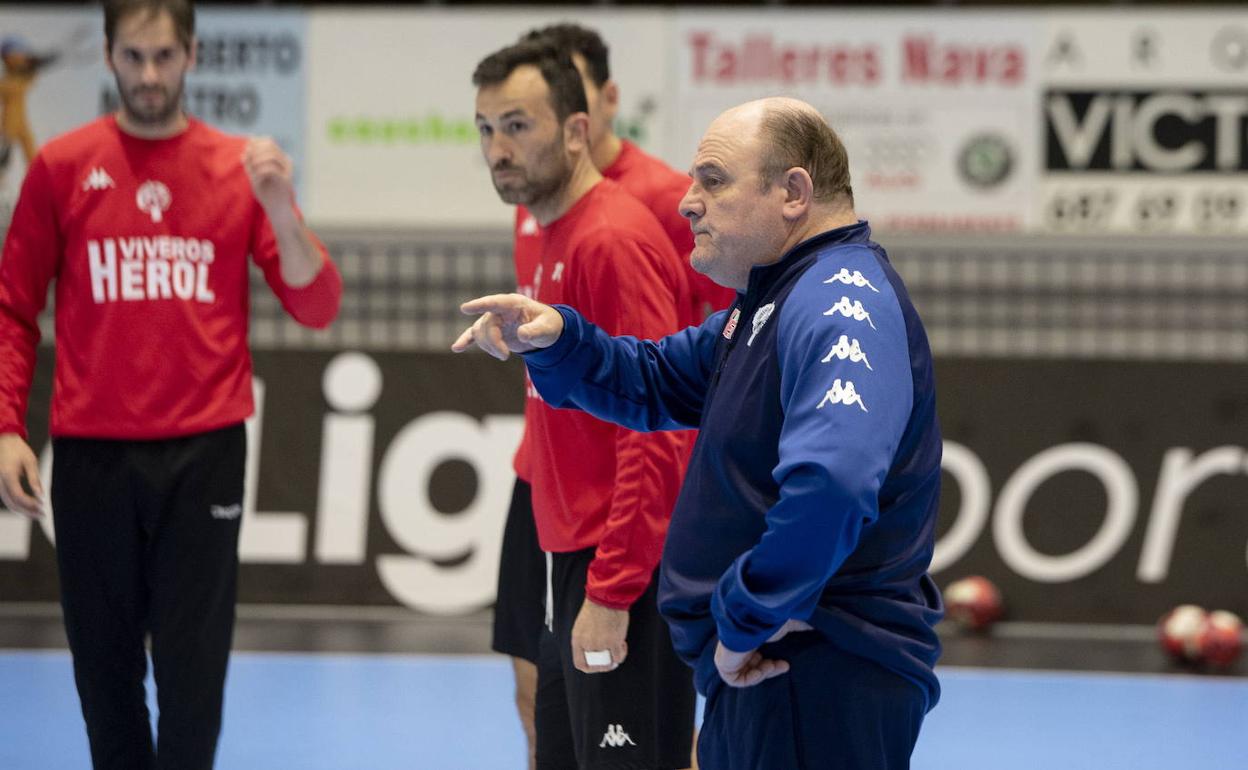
1220	640
1179	632
973	602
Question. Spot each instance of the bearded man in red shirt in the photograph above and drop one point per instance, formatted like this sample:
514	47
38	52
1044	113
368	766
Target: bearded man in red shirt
145	220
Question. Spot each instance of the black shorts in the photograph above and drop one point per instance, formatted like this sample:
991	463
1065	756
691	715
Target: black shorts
638	716
520	610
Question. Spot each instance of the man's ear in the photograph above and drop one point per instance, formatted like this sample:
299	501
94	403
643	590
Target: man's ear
799	192
576	132
609	100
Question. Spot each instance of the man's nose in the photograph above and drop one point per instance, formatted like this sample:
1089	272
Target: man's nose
690	207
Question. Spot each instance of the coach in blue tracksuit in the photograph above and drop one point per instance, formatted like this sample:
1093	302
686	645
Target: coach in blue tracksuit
794	577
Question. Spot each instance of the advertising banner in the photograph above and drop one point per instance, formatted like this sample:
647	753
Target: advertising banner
1089	492
376	479
1145	123
936	109
391	105
249	79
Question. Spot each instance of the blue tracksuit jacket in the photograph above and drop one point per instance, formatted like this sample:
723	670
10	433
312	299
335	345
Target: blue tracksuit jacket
813	486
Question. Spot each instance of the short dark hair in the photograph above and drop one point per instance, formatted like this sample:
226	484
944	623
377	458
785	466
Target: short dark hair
574	38
801	138
181	11
567	92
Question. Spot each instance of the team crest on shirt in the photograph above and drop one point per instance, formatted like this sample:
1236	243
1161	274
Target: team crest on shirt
760	319
153	199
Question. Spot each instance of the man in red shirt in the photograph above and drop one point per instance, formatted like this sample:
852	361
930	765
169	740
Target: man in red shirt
610	691
522	571
145	220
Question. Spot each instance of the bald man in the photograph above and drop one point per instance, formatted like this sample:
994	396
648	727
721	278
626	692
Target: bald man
794	578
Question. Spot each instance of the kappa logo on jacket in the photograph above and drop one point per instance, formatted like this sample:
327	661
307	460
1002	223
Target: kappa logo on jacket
846	349
98	179
529	226
842	394
852	279
615	737
153	199
853	310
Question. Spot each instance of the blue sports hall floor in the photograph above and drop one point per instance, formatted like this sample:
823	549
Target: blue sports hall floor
381	692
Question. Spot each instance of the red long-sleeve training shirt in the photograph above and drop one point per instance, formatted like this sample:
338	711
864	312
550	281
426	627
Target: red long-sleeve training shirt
659	187
595	484
147	241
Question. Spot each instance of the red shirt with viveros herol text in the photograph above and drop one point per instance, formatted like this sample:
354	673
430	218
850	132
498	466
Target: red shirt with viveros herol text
148	242
596	484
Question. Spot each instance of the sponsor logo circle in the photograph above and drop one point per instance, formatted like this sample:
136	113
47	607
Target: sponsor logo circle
986	160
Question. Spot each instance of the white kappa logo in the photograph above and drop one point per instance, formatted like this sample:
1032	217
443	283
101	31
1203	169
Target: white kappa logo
852	279
529	226
97	180
153	198
853	310
226	512
839	394
760	318
847	350
615	737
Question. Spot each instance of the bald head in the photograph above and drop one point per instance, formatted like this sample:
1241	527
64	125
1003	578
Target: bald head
792	134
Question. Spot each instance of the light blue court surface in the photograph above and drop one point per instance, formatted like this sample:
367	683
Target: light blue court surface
338	712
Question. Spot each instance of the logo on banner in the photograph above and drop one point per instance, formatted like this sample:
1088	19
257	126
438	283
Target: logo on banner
1158	131
1229	49
985	161
97	180
153	199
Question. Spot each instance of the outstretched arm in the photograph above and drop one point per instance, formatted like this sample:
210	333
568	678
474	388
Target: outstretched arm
640	384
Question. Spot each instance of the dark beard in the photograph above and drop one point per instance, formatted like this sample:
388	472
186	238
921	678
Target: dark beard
142	117
554	170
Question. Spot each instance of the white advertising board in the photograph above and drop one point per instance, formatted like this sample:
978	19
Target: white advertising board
390	109
936	109
1145	123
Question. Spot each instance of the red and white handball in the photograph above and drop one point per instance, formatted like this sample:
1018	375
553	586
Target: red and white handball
1221	639
1179	632
973	602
